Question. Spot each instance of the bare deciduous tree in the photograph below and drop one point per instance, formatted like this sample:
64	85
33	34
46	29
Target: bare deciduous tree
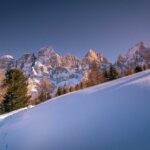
45	88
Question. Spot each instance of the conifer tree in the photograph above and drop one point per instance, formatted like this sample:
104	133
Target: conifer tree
113	74
16	96
138	69
59	91
105	75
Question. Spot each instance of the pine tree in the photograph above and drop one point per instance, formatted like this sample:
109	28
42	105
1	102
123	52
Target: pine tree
105	75
113	74
59	91
16	96
138	69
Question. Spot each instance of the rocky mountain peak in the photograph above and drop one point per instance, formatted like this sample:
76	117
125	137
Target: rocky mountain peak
137	48
137	55
47	51
70	61
49	57
91	55
7	62
25	63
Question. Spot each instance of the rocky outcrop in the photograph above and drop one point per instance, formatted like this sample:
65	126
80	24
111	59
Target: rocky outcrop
139	55
7	62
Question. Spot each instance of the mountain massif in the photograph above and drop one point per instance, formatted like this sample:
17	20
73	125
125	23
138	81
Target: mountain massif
69	70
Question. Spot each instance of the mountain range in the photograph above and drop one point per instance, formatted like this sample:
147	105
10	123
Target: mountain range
70	70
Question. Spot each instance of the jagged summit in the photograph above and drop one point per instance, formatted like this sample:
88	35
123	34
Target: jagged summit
47	51
137	55
91	55
138	47
142	44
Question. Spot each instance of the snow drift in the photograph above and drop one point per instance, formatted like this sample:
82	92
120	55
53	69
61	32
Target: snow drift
110	116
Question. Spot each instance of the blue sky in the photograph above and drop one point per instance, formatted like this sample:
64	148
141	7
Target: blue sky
110	27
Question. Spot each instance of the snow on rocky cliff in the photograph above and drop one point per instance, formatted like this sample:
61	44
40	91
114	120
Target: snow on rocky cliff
137	55
60	71
113	115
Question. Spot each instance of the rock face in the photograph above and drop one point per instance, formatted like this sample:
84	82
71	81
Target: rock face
139	55
60	71
92	56
25	63
7	62
49	57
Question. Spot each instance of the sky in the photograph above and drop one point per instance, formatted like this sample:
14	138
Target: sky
110	27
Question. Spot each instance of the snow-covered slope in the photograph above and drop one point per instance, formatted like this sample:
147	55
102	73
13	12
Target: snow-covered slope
110	116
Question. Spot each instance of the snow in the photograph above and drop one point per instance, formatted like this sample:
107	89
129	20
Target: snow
70	82
110	116
12	113
8	57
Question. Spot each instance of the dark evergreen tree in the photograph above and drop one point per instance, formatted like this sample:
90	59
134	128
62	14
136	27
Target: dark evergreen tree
113	74
16	96
138	69
105	75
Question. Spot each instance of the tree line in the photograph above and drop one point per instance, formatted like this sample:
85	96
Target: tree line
95	76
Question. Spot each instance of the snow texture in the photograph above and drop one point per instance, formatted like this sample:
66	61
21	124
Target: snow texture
110	116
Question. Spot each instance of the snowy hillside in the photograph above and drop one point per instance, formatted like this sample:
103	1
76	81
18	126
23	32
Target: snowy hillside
110	116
